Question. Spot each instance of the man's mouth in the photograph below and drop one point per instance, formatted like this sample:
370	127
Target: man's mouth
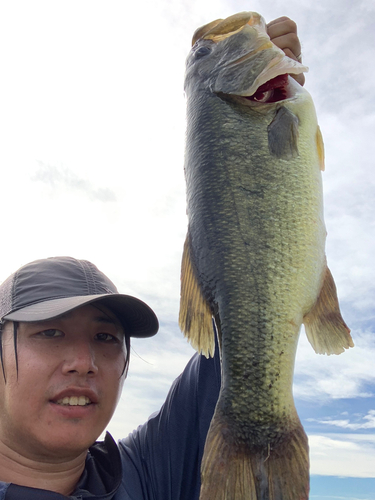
74	401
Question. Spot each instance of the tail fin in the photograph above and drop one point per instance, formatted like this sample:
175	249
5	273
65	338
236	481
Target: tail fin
241	471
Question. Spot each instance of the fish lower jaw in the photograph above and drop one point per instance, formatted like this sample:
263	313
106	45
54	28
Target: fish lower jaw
74	401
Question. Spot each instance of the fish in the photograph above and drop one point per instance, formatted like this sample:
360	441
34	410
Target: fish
254	258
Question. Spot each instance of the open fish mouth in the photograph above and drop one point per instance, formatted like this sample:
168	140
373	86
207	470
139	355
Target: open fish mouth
265	78
275	90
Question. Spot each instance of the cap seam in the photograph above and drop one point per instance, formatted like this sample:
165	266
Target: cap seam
91	277
83	267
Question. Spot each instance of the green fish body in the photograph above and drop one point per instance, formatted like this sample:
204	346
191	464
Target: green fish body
254	257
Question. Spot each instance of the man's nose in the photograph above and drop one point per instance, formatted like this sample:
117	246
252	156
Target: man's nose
80	358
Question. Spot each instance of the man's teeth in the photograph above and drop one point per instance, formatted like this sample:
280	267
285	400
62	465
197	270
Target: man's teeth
74	401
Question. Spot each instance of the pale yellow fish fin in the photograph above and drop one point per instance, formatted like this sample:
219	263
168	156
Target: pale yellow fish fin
195	317
234	470
320	148
325	328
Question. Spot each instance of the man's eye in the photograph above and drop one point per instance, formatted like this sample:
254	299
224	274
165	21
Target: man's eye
106	337
51	333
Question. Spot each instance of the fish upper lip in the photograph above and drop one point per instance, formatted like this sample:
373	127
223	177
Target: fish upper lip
244	57
76	391
275	67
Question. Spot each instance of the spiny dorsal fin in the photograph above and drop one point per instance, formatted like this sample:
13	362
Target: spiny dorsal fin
195	317
325	328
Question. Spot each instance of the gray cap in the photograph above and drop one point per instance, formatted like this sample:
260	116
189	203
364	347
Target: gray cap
47	288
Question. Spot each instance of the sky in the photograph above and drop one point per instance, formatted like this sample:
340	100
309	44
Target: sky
92	128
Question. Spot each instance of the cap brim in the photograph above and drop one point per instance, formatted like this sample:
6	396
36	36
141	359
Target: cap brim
138	319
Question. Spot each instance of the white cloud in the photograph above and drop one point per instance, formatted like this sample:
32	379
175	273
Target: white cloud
368	422
338	497
345	455
348	375
59	178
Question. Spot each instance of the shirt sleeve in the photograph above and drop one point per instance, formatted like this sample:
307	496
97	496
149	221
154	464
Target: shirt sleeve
161	459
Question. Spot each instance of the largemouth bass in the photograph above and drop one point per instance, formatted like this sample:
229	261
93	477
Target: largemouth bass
254	257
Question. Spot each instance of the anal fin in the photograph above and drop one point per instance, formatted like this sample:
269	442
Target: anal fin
325	328
195	318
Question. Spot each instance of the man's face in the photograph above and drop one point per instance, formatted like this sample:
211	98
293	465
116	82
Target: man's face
70	376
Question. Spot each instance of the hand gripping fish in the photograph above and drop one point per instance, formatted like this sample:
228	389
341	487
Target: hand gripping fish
254	256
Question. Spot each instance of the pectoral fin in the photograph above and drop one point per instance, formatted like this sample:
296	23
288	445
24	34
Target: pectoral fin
325	328
195	317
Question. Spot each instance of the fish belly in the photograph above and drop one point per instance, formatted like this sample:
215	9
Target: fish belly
256	239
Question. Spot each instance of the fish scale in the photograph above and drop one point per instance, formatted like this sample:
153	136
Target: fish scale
254	256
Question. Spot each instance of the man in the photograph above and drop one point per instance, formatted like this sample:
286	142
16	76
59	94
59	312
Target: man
64	353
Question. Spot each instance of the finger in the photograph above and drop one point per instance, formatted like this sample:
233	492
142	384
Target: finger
281	26
291	54
300	78
288	42
283	33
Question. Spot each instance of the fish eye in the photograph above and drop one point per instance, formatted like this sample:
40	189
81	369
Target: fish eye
202	51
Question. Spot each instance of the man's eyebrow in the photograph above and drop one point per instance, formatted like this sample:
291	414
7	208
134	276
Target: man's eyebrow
104	319
107	320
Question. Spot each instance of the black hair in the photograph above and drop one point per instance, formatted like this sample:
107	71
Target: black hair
127	360
15	339
1	349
